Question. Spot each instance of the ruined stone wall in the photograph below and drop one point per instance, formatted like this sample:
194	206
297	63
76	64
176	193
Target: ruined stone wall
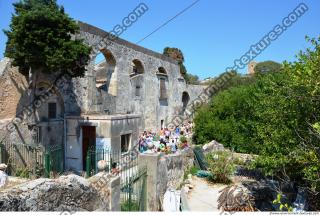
68	193
12	86
125	101
163	172
177	164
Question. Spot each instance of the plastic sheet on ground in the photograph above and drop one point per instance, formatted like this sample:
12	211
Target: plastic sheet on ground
171	201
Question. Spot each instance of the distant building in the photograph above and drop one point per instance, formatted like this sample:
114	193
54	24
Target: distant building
251	66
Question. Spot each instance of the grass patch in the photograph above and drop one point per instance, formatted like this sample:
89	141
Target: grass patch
130	205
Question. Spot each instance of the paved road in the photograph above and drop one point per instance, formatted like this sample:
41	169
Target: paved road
204	196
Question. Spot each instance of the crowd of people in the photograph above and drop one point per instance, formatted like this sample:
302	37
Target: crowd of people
165	140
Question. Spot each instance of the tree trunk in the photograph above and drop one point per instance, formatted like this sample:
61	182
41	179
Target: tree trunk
32	117
33	76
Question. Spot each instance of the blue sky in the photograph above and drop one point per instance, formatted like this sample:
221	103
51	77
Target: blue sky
211	34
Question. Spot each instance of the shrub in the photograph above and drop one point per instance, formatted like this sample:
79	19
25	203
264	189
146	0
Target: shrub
192	170
23	173
221	166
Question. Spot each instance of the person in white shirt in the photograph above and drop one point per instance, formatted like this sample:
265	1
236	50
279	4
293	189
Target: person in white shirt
3	175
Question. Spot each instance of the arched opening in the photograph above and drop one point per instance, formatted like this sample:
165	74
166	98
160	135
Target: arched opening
161	70
185	100
104	68
136	67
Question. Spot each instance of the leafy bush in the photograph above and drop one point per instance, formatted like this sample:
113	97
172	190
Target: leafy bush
275	117
192	170
129	205
23	173
221	166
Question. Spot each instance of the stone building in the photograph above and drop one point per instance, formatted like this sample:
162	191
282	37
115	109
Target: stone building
251	66
132	90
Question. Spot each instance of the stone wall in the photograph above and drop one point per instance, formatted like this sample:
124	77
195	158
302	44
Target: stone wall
163	172
124	99
177	164
12	87
67	193
108	128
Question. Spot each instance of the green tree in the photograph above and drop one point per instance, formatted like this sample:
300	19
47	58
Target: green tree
192	79
267	66
276	117
177	55
40	40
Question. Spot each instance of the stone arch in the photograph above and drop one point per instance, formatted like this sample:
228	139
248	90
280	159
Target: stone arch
136	67
162	70
105	73
136	78
185	99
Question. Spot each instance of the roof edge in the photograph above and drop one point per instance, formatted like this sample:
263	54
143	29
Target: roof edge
97	31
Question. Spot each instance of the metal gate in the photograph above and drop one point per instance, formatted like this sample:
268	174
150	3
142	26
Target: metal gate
54	160
133	191
133	178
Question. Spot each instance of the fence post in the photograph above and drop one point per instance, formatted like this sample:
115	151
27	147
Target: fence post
47	165
151	163
88	164
1	153
130	198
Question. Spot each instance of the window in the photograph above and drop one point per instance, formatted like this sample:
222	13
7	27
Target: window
125	142
137	68
138	90
163	91
52	110
185	100
134	70
162	70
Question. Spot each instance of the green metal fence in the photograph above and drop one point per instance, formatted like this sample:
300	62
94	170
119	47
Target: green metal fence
133	191
54	160
132	178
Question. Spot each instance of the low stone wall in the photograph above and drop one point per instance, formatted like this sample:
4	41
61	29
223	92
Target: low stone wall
177	164
66	193
164	171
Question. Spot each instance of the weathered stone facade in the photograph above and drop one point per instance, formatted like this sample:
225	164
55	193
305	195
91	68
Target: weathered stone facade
122	83
164	171
134	89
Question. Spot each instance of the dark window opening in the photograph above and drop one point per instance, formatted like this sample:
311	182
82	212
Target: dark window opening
162	70
138	90
52	110
163	90
185	100
125	142
135	70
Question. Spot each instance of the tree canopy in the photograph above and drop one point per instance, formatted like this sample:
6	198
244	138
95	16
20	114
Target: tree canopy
275	115
41	38
177	54
267	66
